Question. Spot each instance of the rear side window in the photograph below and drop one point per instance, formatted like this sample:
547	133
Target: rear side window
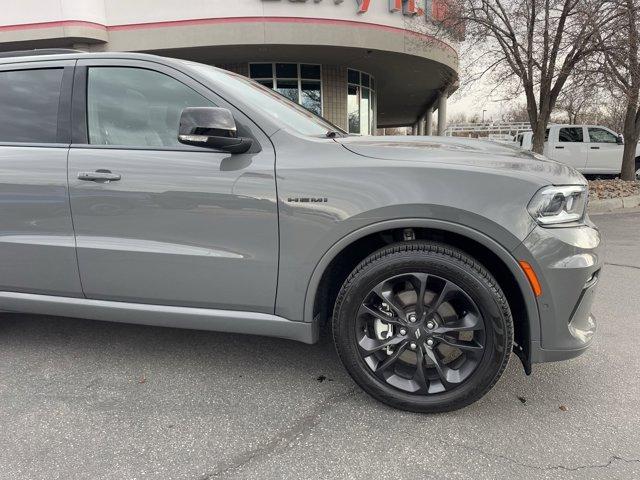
29	102
136	107
571	135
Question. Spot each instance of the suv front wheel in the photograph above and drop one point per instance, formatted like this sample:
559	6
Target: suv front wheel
423	327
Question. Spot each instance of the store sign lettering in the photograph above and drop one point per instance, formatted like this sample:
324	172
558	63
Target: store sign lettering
407	7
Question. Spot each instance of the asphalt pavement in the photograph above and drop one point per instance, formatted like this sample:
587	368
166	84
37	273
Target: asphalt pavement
93	400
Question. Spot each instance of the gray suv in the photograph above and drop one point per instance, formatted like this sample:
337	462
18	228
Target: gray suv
149	190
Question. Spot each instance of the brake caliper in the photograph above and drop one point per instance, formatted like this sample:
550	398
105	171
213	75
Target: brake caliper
384	330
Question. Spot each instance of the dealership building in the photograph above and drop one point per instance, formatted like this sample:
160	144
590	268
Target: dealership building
364	65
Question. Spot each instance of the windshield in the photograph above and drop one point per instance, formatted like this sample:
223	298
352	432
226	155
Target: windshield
271	102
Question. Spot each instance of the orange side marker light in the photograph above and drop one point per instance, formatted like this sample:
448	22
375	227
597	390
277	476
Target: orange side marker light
533	278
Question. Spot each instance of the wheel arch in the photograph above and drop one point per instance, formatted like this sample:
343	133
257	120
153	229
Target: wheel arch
344	255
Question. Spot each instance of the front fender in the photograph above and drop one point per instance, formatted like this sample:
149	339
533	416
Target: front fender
499	250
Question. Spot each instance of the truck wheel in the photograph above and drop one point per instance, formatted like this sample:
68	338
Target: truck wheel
423	327
638	168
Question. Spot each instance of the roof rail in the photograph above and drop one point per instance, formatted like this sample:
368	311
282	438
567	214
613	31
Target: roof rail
40	51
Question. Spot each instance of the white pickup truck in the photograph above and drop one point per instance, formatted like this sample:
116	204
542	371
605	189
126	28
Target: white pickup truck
591	149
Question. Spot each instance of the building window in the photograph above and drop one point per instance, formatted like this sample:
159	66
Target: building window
361	102
299	82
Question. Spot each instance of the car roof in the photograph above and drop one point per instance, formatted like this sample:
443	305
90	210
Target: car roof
578	125
48	55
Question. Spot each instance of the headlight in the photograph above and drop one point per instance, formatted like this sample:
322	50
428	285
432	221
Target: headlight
556	205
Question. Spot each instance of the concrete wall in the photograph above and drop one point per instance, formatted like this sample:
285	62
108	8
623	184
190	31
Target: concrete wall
165	24
112	13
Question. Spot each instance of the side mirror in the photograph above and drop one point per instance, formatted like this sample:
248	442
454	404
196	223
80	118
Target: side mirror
620	140
211	127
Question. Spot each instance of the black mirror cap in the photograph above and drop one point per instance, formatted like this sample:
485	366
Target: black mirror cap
209	121
211	127
620	140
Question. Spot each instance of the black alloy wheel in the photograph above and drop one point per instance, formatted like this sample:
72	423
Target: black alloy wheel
423	346
423	327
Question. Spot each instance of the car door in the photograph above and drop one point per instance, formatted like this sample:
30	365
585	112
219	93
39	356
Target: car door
37	247
172	224
571	147
605	155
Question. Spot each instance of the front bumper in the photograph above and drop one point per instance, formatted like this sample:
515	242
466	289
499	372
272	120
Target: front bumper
568	263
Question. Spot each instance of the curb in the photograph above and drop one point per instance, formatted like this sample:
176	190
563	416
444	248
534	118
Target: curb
609	204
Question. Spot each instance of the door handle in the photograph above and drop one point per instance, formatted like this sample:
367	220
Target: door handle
560	148
595	148
99	176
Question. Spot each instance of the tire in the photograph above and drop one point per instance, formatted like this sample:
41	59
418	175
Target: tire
458	293
638	168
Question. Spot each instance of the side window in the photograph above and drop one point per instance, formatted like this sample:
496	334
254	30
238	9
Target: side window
599	135
29	105
136	107
573	134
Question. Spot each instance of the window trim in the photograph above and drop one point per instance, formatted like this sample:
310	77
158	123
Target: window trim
79	129
275	79
63	137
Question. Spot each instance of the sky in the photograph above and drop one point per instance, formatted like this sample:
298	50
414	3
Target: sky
475	99
482	94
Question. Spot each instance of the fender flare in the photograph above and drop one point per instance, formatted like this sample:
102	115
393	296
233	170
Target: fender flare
501	252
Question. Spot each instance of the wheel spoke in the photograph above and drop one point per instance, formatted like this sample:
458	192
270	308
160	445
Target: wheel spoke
372	345
390	360
387	296
419	283
374	312
461	344
469	322
445	294
420	376
440	368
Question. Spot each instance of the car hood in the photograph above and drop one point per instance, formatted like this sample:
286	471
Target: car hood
464	152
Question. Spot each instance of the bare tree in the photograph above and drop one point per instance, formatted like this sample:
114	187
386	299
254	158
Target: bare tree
580	98
614	106
621	66
573	104
457	118
516	113
533	46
